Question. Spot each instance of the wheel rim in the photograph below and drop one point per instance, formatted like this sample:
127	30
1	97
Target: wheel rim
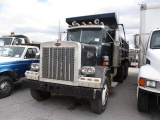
104	95
5	87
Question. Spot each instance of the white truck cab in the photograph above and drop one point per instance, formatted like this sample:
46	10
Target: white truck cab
14	40
149	73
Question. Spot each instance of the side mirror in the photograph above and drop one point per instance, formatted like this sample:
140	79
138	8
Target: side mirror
37	56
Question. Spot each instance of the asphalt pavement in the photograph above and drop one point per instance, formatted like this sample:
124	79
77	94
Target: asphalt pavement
122	105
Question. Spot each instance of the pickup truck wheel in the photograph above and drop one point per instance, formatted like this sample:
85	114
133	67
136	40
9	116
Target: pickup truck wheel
99	105
39	95
143	101
6	86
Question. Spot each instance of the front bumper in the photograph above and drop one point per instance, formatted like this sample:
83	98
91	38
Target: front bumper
75	91
150	90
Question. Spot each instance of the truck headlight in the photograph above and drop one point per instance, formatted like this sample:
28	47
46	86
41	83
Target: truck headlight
150	83
88	70
35	66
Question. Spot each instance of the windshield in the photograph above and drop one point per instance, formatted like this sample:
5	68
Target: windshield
155	40
5	41
87	35
10	51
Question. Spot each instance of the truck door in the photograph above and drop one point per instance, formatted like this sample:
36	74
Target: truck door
29	57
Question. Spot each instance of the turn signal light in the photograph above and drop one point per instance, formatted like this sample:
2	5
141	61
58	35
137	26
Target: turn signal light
89	79
82	78
142	82
104	63
96	80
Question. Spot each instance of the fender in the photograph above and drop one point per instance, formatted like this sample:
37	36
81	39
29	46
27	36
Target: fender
149	72
102	72
18	67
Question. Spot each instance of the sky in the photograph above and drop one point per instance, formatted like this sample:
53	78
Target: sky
40	19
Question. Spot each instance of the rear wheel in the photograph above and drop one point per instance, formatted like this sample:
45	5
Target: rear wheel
120	74
125	70
40	95
99	105
143	101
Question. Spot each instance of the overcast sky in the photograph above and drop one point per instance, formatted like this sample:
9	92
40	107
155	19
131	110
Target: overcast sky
39	19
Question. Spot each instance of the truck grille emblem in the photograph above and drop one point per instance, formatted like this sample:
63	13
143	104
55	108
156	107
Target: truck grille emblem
57	44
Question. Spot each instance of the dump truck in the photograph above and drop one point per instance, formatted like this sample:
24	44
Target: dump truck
92	60
149	73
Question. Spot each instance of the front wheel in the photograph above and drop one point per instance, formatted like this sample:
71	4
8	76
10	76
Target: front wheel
39	95
6	86
143	101
99	105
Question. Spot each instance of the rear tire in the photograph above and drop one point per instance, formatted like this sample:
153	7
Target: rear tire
120	74
125	70
143	101
39	95
99	105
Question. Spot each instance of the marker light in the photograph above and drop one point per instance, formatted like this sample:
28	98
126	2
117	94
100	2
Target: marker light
105	64
83	23
90	23
101	23
77	24
142	82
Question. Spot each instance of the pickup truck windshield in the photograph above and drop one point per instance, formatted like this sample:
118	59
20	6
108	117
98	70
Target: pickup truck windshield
155	40
5	41
85	35
11	51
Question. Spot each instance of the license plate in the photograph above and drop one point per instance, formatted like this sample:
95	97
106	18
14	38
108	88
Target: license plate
134	63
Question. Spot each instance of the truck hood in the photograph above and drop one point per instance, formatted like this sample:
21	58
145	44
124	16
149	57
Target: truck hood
149	72
154	57
7	59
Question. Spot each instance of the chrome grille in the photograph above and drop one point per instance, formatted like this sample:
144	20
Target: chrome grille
58	63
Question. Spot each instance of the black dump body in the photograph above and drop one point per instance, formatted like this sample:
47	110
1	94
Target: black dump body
109	19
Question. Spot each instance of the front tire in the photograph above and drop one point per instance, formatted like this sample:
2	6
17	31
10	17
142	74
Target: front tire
99	105
143	101
39	95
6	86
